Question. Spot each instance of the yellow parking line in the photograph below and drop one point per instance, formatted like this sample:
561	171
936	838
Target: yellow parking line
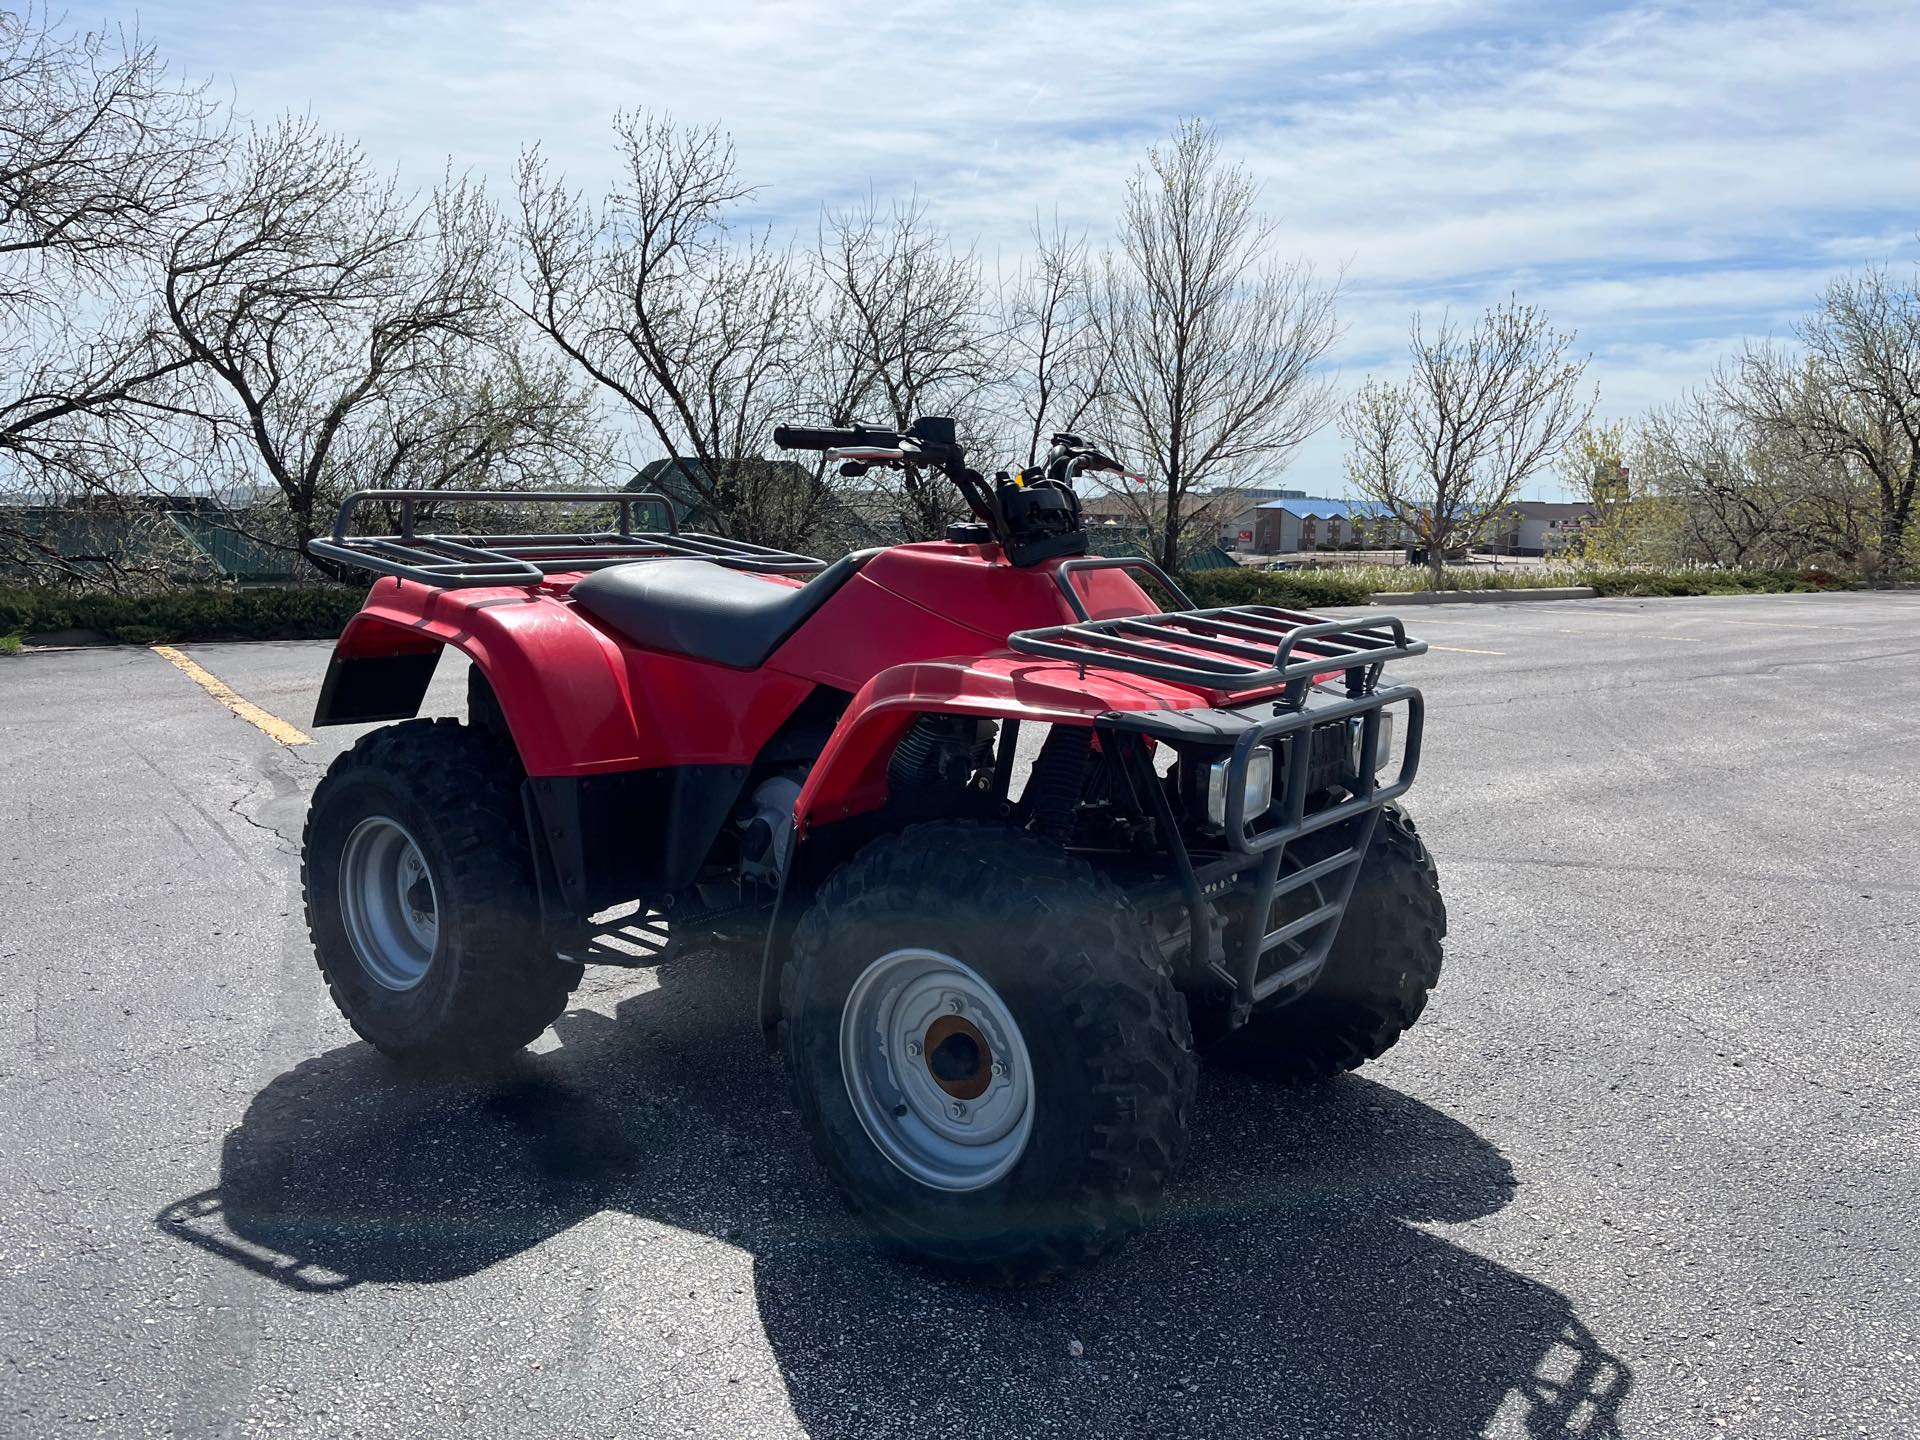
245	709
1464	650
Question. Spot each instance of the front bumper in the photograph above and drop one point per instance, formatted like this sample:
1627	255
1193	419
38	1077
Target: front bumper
1265	896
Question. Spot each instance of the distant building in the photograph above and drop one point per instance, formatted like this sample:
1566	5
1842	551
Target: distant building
1097	508
1112	538
1307	523
852	520
1231	509
1238	529
685	482
1537	527
182	538
1527	527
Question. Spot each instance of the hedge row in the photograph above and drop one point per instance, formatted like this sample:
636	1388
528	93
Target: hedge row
1308	588
1295	589
1711	582
307	613
320	612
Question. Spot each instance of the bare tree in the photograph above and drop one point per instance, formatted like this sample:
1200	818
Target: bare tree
1745	494
1213	343
102	152
907	315
1056	366
352	331
1852	397
1732	507
703	333
100	148
1447	450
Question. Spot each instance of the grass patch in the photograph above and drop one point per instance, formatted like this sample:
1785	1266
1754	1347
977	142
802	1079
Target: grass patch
306	613
1356	584
1463	577
11	644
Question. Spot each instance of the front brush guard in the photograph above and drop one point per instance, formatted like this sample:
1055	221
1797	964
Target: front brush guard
1230	896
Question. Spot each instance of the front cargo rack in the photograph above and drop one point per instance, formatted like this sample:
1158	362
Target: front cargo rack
1234	648
464	561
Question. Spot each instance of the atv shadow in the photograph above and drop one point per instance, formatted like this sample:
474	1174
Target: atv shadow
1287	1292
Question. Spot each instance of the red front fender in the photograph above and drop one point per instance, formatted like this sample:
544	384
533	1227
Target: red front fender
850	777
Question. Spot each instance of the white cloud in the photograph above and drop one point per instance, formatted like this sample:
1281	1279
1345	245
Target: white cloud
1667	179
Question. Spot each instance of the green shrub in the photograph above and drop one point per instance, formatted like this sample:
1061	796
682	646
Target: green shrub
321	612
1711	582
305	613
1290	588
1357	584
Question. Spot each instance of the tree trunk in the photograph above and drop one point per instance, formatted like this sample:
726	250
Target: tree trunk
1893	529
1176	487
1170	538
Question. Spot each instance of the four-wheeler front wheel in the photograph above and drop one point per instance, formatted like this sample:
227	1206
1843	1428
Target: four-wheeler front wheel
987	1049
421	897
936	1068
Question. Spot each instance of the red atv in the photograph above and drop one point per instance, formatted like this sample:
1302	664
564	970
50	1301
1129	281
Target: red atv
1016	838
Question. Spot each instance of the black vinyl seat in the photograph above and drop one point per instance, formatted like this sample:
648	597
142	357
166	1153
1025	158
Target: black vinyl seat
710	611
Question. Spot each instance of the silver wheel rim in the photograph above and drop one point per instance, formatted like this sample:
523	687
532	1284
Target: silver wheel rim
387	899
937	1070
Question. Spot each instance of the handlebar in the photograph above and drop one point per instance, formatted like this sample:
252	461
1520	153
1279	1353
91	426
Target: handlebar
799	437
1035	515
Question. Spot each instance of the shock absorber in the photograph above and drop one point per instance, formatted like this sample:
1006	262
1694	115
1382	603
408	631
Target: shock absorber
1059	773
940	754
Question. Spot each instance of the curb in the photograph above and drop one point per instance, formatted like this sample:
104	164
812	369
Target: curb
1482	597
69	639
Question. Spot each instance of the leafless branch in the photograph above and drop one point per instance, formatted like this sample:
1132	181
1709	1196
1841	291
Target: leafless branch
1213	342
908	333
102	153
700	332
1447	450
354	333
1852	396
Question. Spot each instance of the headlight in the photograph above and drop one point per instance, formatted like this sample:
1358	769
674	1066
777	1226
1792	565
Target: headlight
1259	788
1356	737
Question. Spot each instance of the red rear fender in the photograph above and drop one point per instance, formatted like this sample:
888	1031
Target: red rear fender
561	683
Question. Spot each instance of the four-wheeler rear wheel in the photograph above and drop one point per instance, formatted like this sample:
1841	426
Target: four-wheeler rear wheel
421	897
987	1049
1385	960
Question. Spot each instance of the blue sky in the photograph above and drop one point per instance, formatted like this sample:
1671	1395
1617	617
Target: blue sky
1668	180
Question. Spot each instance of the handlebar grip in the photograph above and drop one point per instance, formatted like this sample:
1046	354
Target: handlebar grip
798	437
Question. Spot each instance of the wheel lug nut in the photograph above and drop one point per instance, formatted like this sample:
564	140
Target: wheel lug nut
956	1004
958	1111
996	1069
913	1047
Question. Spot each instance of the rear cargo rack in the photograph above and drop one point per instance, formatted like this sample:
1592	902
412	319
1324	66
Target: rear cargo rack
1234	648
454	562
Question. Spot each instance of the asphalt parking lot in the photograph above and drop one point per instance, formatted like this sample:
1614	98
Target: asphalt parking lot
1650	1166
